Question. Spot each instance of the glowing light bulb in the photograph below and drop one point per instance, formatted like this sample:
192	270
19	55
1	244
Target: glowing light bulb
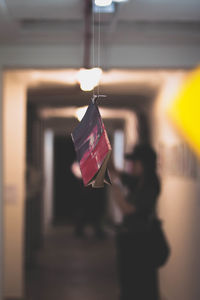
103	2
120	1
89	78
80	112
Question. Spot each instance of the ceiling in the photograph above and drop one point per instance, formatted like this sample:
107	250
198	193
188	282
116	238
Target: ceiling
133	89
133	22
124	88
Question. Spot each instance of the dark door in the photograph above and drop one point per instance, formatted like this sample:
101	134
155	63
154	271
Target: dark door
65	184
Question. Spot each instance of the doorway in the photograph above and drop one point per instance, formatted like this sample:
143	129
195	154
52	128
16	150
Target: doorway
66	189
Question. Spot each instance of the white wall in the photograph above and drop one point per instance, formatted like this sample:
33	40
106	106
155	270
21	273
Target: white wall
126	56
1	191
40	56
153	56
179	207
14	116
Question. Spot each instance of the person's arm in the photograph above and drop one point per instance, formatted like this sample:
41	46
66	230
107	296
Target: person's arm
117	176
147	199
128	180
124	206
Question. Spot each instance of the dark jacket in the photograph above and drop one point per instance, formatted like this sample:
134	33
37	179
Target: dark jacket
137	279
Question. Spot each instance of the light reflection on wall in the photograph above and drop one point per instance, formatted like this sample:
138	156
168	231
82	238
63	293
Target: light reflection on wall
118	149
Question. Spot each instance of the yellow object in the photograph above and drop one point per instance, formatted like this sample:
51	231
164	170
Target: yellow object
185	110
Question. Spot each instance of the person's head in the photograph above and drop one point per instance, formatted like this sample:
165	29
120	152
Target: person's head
143	160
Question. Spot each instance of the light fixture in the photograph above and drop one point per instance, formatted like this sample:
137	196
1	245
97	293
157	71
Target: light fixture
89	78
76	169
120	1
109	9
103	2
118	149
80	112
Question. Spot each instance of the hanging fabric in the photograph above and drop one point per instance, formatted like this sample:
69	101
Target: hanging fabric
92	147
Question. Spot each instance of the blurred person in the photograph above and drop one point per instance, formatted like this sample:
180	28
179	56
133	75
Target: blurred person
136	194
91	205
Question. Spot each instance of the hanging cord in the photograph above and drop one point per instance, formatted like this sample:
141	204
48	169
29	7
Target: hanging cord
93	42
99	45
96	95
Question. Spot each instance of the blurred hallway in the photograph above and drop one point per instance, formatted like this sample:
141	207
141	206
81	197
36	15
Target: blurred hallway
73	268
146	51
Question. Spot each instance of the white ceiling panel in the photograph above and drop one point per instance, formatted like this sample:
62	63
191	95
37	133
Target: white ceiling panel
36	2
160	11
45	9
135	21
3	6
153	33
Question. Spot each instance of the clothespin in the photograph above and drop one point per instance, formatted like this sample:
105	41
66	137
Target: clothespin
97	96
93	98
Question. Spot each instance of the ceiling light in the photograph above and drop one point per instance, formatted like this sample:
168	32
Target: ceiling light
120	1
80	112
109	9
103	2
89	78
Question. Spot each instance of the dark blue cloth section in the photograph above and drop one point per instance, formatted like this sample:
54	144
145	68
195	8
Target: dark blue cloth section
87	134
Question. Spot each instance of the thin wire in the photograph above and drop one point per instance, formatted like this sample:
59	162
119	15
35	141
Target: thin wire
99	44
93	42
98	50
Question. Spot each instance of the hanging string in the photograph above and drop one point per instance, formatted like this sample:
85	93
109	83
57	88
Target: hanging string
93	42
96	95
99	45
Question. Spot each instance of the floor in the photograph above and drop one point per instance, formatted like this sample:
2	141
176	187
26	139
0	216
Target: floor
73	268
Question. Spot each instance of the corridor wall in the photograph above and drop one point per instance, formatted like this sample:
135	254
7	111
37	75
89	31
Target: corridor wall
51	56
14	118
1	187
179	204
